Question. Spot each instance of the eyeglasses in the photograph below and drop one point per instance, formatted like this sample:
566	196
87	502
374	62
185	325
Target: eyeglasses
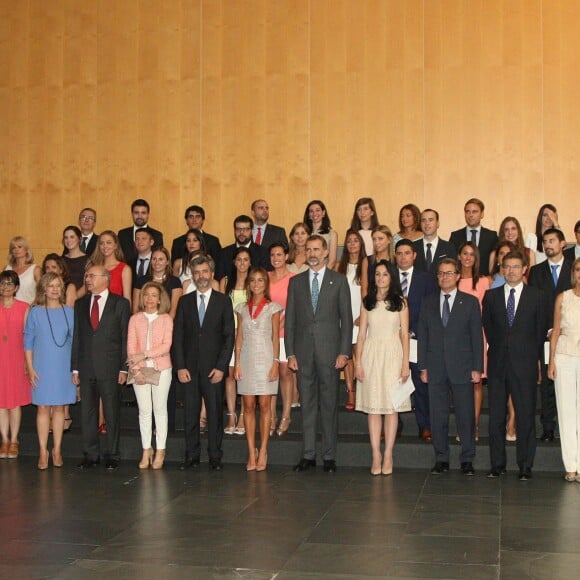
446	274
91	276
6	283
87	218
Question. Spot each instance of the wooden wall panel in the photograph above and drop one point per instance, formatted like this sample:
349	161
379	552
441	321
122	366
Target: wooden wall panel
224	101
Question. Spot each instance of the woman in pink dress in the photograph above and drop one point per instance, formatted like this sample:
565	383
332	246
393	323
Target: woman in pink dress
477	285
15	389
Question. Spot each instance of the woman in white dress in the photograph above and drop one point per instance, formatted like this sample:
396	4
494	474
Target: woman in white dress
21	260
382	355
257	353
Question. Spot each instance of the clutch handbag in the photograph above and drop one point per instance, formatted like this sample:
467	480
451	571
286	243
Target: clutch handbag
400	392
144	376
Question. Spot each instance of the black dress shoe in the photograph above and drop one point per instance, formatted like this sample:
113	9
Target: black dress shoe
547	436
496	472
216	464
525	474
440	467
189	464
467	468
305	464
87	463
111	464
329	466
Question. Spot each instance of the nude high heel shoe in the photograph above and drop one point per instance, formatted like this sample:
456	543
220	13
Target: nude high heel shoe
159	459
146	459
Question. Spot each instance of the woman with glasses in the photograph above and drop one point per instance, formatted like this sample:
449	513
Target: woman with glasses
14	384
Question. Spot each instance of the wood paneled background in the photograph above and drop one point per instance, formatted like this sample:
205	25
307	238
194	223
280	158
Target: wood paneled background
219	102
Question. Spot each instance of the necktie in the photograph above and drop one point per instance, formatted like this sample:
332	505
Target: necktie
404	283
84	244
141	271
201	310
258	239
511	306
446	310
555	274
429	256
315	291
95	312
474	236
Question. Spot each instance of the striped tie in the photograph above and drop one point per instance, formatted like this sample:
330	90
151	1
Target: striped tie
405	283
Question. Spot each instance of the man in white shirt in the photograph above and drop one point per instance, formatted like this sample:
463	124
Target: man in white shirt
431	249
87	222
263	233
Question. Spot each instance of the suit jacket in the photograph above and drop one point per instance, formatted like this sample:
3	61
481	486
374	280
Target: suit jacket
92	245
212	246
570	253
273	234
422	284
203	348
487	242
453	351
100	353
225	265
520	346
127	242
326	332
444	250
541	277
139	281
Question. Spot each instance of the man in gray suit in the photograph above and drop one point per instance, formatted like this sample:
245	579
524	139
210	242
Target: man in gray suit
318	337
450	356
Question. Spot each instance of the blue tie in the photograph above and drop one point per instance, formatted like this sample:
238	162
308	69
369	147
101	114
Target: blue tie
201	311
511	306
446	311
315	291
555	274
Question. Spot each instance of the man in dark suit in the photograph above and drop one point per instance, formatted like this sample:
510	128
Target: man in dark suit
450	356
483	238
98	363
140	212
552	276
203	341
87	223
431	249
514	318
243	226
574	252
195	218
141	265
263	233
318	337
415	286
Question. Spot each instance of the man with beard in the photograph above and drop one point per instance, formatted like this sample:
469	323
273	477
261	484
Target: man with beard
140	212
318	337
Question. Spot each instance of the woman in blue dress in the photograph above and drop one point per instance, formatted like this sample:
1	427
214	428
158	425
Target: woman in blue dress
47	344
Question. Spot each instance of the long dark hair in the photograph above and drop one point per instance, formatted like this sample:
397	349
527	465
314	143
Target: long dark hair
355	222
64	273
496	250
394	300
475	275
551	207
233	279
187	255
343	264
325	228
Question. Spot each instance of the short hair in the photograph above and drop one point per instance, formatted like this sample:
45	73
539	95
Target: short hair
554	231
264	274
577	227
416	216
255	202
279	244
317	237
140	203
20	240
164	301
515	255
476	202
202	259
144	231
244	219
404	242
575	264
432	211
196	208
10	276
103	269
41	286
88	209
449	262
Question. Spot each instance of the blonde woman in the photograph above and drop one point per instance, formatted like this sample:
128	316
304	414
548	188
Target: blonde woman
21	261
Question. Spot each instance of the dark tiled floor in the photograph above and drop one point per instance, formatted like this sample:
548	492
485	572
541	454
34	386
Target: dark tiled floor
283	525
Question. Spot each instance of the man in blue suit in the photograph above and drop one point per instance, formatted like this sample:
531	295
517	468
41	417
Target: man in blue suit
415	285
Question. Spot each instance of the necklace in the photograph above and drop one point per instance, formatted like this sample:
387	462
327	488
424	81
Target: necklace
51	329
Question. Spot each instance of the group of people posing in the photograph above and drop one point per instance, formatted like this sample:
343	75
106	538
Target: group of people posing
395	312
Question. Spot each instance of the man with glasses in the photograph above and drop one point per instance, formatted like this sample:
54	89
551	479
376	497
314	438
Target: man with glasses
243	226
99	364
87	222
515	322
450	357
195	218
